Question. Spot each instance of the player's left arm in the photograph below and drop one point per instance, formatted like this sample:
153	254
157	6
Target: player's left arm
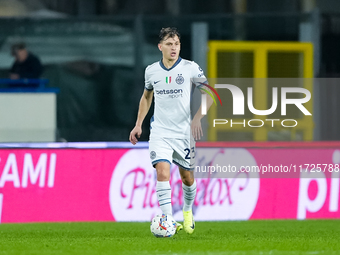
198	77
196	126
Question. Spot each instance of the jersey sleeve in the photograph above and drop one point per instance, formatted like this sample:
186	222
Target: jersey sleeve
148	83
197	75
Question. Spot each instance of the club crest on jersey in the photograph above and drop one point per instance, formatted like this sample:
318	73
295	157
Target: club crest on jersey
179	79
152	154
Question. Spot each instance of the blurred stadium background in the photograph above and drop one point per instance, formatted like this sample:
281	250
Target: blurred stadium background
65	155
96	52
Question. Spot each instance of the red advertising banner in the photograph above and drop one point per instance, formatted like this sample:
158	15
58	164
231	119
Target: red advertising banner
53	185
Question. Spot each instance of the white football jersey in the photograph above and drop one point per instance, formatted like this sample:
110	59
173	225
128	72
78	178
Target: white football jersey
172	90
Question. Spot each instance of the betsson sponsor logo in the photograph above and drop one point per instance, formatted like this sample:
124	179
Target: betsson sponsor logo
173	93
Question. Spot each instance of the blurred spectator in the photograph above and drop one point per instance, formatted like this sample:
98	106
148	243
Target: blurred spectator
26	64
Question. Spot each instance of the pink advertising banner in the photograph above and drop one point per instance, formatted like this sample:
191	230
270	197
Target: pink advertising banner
54	185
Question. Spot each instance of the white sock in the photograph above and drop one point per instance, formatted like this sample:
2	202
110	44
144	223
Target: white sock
163	190
189	193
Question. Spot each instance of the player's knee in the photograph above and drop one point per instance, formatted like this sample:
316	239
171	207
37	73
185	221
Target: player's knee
188	180
163	174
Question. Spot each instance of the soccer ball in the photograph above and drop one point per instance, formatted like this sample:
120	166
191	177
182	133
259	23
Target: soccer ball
163	226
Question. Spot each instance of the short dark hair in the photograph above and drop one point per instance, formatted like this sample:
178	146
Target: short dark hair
167	32
17	46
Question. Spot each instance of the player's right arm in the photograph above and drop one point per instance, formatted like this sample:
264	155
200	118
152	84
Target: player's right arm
144	106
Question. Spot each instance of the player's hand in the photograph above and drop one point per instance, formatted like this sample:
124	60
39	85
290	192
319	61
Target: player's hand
134	134
196	128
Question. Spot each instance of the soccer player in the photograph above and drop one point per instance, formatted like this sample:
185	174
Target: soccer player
171	138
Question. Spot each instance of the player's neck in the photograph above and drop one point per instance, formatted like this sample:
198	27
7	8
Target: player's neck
168	63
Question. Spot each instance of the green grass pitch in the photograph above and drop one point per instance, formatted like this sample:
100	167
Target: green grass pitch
233	237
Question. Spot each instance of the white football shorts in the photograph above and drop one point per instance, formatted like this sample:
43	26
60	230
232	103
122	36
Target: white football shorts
178	151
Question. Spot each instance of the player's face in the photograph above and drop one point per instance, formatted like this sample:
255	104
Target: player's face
170	48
